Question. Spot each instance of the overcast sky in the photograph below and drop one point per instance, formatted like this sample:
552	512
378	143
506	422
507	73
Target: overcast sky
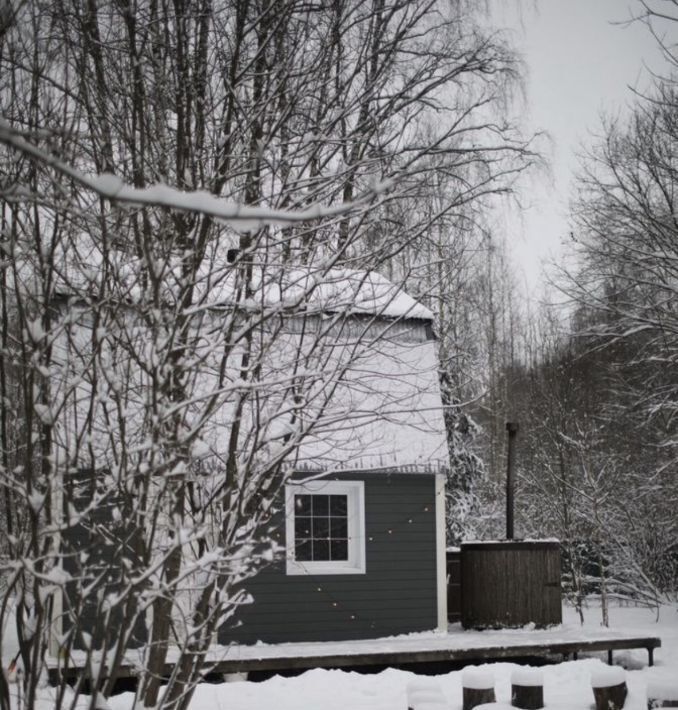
580	65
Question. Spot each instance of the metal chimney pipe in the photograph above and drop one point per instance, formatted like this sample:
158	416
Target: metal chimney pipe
512	429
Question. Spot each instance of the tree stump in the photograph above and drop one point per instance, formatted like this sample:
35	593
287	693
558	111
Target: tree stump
527	689
477	688
528	697
609	688
477	696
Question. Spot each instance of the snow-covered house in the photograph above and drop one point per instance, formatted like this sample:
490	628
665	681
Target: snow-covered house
308	405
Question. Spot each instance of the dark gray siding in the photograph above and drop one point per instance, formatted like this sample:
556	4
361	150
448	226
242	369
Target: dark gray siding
397	594
107	544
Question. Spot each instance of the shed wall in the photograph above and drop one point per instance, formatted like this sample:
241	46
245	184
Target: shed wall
397	594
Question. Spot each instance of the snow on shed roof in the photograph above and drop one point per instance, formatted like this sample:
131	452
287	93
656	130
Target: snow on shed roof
345	290
308	288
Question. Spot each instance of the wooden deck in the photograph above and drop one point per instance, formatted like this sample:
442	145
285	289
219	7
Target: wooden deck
568	649
454	647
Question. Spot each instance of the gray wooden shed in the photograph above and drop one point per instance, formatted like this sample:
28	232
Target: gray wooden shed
361	522
397	586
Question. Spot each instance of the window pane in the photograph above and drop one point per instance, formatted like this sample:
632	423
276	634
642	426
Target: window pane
338	527
339	505
321	505
303	550
321	550
302	527
302	505
321	528
339	549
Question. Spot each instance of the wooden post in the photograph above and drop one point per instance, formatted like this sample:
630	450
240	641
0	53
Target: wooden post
527	689
609	688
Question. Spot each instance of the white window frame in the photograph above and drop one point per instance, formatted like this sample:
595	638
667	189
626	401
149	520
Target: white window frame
355	492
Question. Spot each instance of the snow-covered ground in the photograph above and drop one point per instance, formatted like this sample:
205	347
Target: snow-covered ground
567	686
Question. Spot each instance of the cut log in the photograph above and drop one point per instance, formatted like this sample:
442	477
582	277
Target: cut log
527	689
473	697
612	697
609	688
528	697
477	688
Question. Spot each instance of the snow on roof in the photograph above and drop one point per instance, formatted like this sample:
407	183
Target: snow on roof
79	268
349	290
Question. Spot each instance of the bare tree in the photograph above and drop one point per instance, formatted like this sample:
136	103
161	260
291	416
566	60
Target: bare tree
167	273
624	237
589	469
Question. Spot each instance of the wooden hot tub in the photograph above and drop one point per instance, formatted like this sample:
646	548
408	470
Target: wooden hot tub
508	584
